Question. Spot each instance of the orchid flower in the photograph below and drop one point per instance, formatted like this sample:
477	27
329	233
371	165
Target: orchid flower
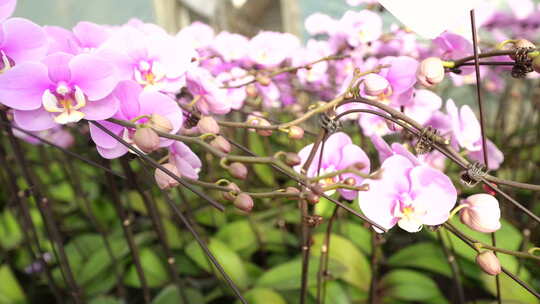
408	195
61	89
339	153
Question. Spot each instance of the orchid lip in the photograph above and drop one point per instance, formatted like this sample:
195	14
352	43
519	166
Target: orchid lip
65	102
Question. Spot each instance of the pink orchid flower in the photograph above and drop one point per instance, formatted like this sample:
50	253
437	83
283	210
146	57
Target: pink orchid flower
339	153
134	103
61	89
467	134
408	195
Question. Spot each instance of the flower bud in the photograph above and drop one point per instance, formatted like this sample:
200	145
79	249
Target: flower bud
481	213
228	196
163	180
292	159
207	124
292	190
146	139
251	90
263	80
264	123
350	181
430	71
312	198
221	144
243	202
375	84
296	132
489	262
238	170
161	123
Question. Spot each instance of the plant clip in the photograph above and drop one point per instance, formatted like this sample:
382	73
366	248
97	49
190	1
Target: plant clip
428	137
191	119
313	220
473	175
522	63
330	124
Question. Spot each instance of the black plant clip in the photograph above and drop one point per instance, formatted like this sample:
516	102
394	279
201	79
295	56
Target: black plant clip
428	137
330	124
191	119
522	64
473	175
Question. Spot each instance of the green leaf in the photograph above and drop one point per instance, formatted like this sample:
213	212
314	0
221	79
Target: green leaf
174	236
410	285
153	269
238	235
10	290
357	234
229	260
10	231
426	256
97	257
335	293
105	300
510	290
264	172
357	268
263	296
171	295
287	276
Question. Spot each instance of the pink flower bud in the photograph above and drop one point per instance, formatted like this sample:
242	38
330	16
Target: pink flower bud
251	90
146	139
296	132
163	180
263	80
312	198
292	159
207	124
221	144
238	170
292	190
489	262
161	123
228	196
243	202
258	121
375	84
264	123
481	213
430	71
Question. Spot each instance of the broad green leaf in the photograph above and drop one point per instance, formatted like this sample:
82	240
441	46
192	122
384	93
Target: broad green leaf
263	172
105	300
10	290
335	293
154	271
229	260
209	216
171	295
324	208
263	296
287	276
10	232
426	256
238	235
410	285
174	236
357	268
510	290
62	191
357	234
